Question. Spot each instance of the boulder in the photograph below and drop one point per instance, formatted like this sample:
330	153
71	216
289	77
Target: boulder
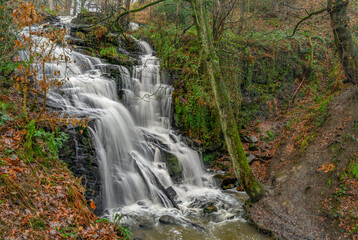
80	156
88	18
250	158
51	19
173	166
226	181
146	225
169	220
253	139
172	193
210	209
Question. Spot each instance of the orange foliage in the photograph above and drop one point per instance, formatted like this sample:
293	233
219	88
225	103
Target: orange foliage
37	47
327	167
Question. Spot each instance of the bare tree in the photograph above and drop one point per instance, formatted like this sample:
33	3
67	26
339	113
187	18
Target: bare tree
51	5
221	11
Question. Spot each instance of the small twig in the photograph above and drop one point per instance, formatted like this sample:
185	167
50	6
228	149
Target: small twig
186	29
137	9
296	8
293	96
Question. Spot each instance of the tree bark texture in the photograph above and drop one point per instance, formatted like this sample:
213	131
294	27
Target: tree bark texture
74	7
252	186
51	5
347	48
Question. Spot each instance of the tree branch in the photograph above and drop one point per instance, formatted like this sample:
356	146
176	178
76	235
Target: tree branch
307	17
138	9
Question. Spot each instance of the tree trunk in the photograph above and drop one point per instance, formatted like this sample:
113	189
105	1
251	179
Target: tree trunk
126	18
347	49
51	5
74	7
83	4
242	15
252	186
36	3
68	4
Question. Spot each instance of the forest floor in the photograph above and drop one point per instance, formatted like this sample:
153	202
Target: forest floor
308	166
312	193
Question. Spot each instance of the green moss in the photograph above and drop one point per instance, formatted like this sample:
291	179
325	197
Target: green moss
37	223
80	35
269	136
173	165
260	72
352	168
210	157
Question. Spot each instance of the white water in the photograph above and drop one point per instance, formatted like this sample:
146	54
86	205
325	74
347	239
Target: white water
131	137
128	136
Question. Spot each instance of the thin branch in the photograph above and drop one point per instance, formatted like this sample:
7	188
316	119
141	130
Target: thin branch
296	8
186	29
307	17
138	9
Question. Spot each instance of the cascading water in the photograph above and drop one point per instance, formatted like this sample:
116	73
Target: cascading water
131	138
128	139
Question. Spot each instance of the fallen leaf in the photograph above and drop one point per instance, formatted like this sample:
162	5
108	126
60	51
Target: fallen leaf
93	205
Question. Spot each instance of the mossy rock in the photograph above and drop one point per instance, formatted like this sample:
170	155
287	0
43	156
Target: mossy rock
210	209
80	35
226	181
173	166
88	18
128	42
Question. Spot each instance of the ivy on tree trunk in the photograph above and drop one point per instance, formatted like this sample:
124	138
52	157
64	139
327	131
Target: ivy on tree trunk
251	185
347	48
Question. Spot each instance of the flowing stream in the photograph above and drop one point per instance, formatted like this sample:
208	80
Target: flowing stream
133	139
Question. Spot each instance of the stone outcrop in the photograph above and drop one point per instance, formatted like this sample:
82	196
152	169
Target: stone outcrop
80	156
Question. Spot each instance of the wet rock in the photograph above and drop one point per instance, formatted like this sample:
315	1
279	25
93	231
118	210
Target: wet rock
76	30
173	166
87	18
169	220
204	179
122	60
141	203
228	186
240	189
146	225
51	19
80	156
76	41
210	209
225	181
192	143
172	193
196	203
194	225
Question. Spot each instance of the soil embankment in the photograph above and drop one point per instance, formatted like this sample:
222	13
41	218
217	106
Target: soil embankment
312	190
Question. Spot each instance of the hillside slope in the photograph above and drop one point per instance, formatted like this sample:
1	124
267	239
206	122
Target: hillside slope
312	190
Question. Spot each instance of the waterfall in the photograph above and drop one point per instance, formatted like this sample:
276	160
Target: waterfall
129	136
133	140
